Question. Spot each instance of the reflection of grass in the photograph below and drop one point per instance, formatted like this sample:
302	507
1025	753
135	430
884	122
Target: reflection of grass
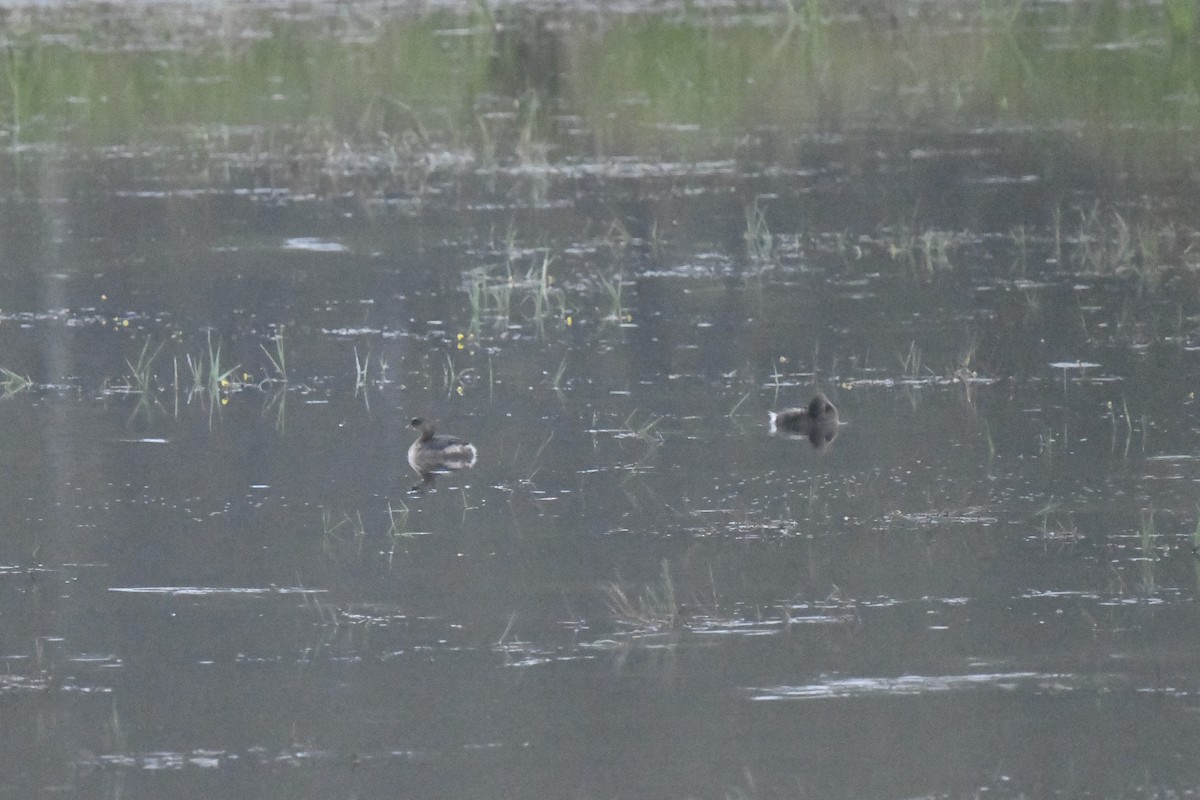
759	242
1196	548
397	527
397	520
327	613
361	365
557	383
1147	542
644	431
278	359
115	740
277	402
456	379
911	363
614	288
347	533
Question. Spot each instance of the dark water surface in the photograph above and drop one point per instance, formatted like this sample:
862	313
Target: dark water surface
601	245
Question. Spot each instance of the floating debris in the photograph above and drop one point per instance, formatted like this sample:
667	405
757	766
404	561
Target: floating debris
906	685
314	245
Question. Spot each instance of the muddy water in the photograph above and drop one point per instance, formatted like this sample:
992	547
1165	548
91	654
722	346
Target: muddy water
217	579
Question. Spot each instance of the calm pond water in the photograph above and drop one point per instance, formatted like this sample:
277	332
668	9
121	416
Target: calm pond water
242	249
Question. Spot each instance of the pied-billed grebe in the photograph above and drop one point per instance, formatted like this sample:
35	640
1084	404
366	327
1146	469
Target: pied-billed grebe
818	423
432	454
438	452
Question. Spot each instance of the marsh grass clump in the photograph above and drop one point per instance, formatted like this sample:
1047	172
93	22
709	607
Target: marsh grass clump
218	377
141	378
935	249
208	372
205	377
923	254
1145	248
653	610
493	293
1155	245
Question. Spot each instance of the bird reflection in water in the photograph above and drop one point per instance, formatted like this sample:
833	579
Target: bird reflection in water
818	422
434	454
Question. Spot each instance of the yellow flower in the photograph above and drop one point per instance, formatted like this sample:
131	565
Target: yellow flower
124	323
568	320
224	401
460	345
460	337
460	391
224	383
